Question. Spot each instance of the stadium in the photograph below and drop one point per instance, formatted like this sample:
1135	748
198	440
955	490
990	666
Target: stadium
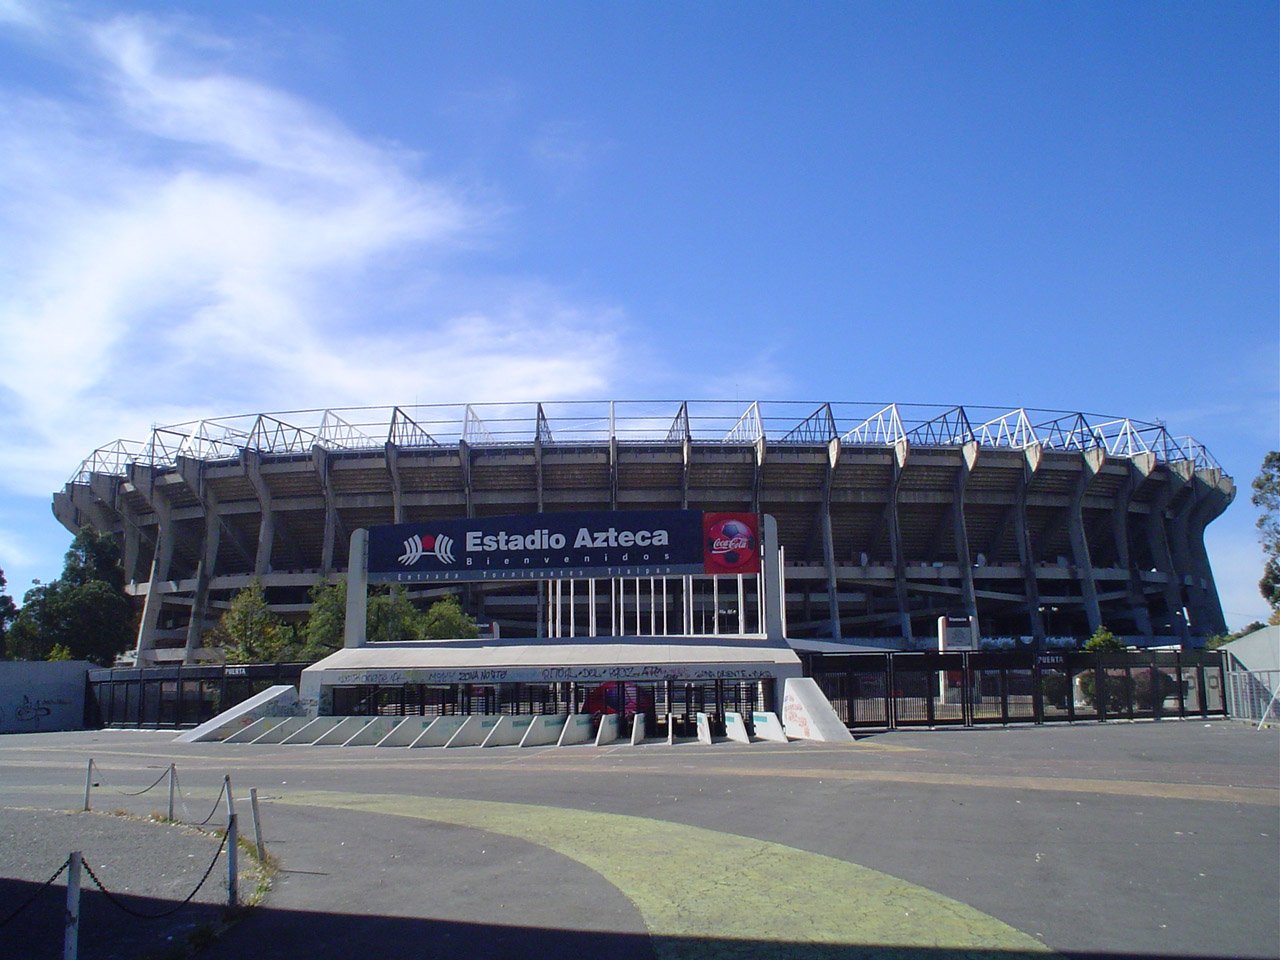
1033	524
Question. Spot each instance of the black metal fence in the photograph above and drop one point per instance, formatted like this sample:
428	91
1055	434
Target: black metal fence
889	690
868	690
177	696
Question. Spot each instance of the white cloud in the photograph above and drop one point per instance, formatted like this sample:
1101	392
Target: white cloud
185	243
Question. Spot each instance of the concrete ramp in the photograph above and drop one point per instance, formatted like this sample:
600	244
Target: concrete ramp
508	732
608	731
808	715
405	733
735	728
768	726
373	732
545	730
313	731
286	728
277	701
440	731
577	729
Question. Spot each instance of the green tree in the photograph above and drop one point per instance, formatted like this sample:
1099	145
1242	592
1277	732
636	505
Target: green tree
1103	641
1266	497
391	617
85	611
250	632
8	613
447	621
323	633
59	652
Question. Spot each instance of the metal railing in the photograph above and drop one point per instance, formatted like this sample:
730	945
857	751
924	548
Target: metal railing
1254	695
566	423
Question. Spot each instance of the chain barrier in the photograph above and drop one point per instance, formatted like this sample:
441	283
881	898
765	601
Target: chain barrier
163	913
43	887
127	793
217	801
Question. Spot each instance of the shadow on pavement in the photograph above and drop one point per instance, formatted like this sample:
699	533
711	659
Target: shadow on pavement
106	931
265	933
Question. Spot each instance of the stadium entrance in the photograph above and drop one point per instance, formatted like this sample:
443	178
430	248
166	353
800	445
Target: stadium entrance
665	614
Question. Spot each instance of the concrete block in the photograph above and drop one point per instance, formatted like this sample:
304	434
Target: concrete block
406	732
704	729
313	731
577	729
735	727
342	731
608	731
808	715
768	726
287	727
508	732
373	732
440	731
637	729
544	730
252	731
474	730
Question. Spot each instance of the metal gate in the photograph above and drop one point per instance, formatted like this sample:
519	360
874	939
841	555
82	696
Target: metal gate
890	690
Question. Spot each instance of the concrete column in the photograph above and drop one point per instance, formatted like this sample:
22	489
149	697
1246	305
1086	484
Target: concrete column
356	627
1092	461
1139	467
901	450
686	451
320	456
1219	493
1022	538
252	461
828	541
464	459
143	479
537	469
205	568
774	595
969	454
758	449
397	488
1158	542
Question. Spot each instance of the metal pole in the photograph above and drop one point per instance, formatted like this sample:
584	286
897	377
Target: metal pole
88	782
232	877
231	803
257	824
173	777
71	928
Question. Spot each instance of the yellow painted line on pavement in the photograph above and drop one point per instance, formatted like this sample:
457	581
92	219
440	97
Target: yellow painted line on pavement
707	894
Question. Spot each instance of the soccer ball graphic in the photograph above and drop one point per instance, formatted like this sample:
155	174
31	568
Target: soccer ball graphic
731	542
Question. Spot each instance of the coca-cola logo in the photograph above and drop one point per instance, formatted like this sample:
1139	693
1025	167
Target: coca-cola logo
732	544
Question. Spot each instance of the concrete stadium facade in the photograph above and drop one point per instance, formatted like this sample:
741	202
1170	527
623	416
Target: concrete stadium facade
1039	524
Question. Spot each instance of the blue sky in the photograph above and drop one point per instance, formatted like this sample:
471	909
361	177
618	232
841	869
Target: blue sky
227	207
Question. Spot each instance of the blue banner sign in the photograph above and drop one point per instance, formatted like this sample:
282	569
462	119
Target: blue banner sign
616	543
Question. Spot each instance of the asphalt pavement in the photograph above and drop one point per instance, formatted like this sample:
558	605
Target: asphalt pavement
1092	840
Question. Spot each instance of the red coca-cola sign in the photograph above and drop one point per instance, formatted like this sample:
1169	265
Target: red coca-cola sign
731	542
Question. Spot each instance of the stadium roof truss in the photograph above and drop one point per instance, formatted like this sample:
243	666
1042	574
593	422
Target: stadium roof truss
296	433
